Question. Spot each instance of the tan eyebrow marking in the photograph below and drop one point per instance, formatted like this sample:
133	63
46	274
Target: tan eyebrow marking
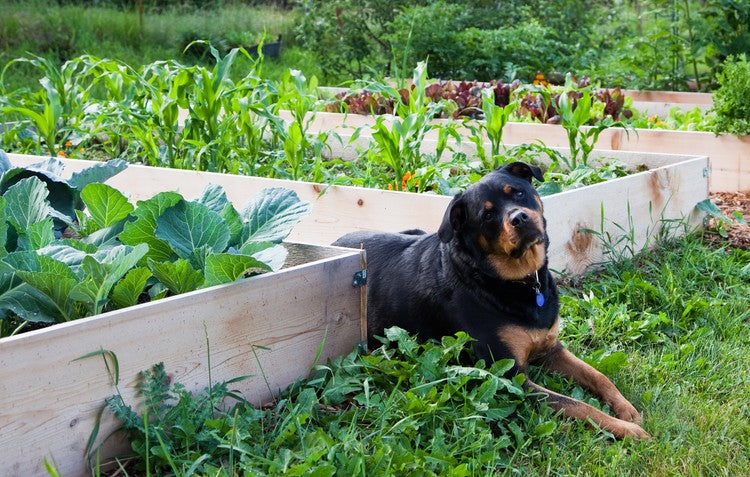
489	205
507	189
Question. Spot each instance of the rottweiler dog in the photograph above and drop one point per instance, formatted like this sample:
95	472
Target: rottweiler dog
485	272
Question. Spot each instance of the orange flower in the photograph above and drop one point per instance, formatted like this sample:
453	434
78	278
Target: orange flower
68	143
652	118
390	186
405	180
62	154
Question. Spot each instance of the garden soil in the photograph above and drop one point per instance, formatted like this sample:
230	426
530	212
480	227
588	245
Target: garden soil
728	203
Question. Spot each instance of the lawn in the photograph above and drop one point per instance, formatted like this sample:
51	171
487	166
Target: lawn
669	327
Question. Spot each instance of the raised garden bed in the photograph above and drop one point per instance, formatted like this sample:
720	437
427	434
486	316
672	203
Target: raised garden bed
273	326
668	190
729	167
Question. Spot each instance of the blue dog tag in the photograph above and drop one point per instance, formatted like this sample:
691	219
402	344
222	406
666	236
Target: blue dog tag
539	299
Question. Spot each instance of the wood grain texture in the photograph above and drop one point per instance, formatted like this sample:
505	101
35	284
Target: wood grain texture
50	400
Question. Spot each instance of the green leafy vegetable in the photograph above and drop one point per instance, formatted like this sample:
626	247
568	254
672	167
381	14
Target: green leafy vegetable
271	215
123	253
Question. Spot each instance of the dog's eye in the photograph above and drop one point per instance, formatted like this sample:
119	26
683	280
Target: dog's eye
488	215
519	194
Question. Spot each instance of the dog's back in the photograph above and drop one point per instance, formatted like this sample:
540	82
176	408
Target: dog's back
411	257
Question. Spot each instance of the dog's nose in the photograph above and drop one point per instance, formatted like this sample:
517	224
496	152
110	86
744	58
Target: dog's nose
519	218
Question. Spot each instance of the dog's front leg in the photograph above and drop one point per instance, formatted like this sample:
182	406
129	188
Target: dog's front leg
576	409
560	360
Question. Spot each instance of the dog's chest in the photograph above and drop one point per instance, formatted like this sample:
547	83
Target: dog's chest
527	344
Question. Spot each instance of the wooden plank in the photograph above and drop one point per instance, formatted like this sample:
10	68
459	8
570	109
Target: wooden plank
641	204
662	109
674	97
345	209
50	400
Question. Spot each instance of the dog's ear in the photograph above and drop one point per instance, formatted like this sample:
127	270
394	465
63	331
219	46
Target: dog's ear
523	170
454	216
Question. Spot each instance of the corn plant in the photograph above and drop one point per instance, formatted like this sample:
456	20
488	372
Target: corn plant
495	119
55	110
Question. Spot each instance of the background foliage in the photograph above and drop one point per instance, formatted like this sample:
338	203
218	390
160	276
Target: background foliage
645	44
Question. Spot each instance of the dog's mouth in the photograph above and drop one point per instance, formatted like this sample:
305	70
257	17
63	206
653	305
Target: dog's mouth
524	245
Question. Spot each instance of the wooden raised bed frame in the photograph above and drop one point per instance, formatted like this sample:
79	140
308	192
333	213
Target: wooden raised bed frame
50	400
270	326
670	189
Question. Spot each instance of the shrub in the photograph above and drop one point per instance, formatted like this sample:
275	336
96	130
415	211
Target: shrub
731	103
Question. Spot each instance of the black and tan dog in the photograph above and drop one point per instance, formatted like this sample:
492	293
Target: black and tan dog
485	272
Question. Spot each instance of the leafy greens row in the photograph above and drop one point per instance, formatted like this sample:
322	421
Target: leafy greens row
78	247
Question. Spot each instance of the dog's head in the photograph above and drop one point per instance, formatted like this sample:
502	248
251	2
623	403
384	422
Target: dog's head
500	218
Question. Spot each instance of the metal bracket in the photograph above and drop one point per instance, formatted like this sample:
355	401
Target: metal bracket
360	278
705	172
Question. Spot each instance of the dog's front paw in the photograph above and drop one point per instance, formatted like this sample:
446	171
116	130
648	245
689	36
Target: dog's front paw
629	429
626	411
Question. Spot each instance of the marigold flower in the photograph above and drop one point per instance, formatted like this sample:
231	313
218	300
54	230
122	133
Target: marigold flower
62	154
68	143
405	179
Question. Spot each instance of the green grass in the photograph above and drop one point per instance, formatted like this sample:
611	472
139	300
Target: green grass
64	32
670	327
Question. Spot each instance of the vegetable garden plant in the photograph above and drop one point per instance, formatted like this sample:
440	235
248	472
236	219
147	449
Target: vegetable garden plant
168	114
75	248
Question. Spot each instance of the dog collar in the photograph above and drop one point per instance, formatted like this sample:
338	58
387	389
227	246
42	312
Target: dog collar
536	286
